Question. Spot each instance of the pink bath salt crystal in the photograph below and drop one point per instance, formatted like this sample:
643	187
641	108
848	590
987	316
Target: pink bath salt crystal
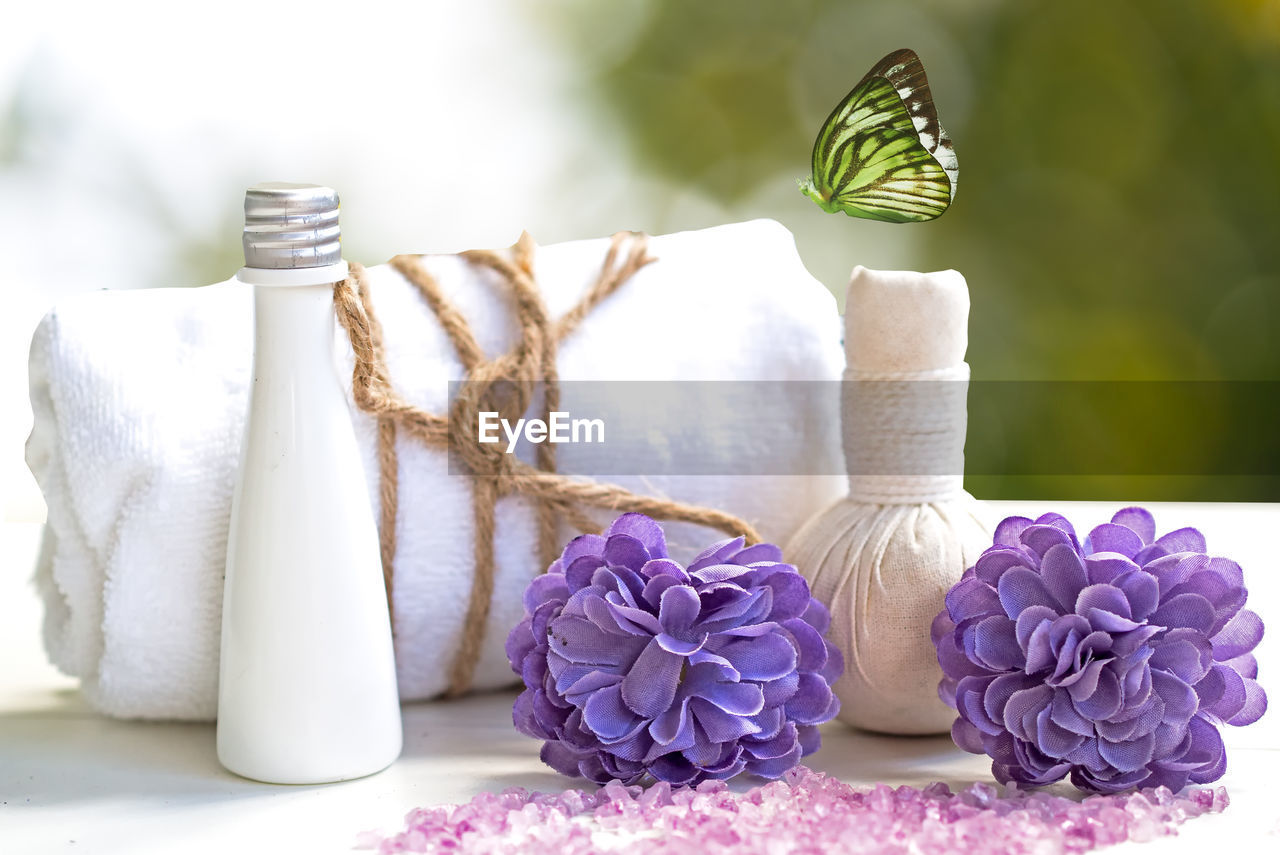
802	813
658	795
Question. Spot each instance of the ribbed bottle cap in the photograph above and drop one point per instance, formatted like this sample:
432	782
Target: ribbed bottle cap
291	226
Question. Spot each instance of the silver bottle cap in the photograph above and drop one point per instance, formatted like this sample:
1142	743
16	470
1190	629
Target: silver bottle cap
291	226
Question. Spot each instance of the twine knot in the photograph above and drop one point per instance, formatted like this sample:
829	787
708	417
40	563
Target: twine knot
505	384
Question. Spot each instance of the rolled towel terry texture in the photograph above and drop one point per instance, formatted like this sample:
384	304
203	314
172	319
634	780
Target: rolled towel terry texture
139	400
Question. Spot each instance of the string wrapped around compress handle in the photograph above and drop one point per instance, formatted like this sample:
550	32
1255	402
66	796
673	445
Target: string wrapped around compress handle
904	434
883	557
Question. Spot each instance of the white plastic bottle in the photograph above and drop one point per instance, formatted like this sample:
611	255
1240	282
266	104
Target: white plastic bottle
307	691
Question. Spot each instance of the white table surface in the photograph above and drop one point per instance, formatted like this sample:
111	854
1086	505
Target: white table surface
74	781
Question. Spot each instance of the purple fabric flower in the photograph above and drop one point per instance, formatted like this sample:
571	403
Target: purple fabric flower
635	664
1114	660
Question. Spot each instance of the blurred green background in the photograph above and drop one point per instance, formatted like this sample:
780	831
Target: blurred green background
1116	216
1117	212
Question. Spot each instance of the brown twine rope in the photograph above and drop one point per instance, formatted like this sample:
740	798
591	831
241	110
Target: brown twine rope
503	384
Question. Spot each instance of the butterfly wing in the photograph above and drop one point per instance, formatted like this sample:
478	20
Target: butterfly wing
882	154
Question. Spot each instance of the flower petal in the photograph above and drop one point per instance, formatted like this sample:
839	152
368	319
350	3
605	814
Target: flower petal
997	694
781	690
810	645
1087	756
735	698
1185	653
995	644
972	694
719	572
1254	706
723	668
583	544
1019	589
810	739
1189	610
1112	537
1138	520
1104	701
1039	646
1022	708
672	730
1031	618
1180	701
579	572
717	553
1245	666
525	720
716	760
966	736
579	640
1106	608
1182	540
548	586
1009	530
727	604
1103	567
776	766
1127	756
993	563
766	657
770	720
972	597
790	595
679	611
1065	715
1227	570
623	550
952	658
719	725
748	630
1053	739
1172	570
674	769
1057	521
1063	574
1041	536
656	587
643	529
1240	636
782	743
562	758
758	553
1126	643
607	715
658	567
680	646
630	620
812	700
1141	590
650	685
1231	695
817	616
1207	751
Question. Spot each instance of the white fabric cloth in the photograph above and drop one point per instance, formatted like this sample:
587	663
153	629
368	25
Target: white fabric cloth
139	401
884	557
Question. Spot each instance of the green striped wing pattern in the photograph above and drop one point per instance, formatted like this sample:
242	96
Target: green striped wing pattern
882	153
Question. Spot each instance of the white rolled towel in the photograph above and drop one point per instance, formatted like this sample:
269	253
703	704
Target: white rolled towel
139	400
884	557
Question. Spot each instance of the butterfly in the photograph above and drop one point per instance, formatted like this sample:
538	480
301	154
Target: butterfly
882	154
